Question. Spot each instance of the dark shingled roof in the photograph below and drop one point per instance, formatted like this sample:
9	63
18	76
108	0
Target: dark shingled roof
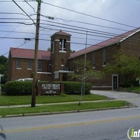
105	43
29	53
62	33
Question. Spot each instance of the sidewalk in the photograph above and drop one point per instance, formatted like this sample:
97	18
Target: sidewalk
28	105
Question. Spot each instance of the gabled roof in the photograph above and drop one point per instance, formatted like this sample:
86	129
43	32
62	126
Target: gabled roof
105	43
29	53
60	32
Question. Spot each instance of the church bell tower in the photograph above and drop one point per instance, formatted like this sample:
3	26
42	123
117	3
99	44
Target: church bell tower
60	52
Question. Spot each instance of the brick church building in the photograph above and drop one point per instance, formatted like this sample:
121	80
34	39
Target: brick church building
56	64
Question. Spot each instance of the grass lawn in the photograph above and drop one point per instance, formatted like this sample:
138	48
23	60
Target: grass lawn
20	100
61	108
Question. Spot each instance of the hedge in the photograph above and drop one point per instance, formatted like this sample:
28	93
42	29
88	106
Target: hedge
25	88
18	88
2	87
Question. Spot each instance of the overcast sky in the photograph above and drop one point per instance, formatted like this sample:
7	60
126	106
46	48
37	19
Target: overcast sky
102	19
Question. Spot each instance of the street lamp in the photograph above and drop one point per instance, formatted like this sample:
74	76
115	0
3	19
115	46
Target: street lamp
83	78
0	82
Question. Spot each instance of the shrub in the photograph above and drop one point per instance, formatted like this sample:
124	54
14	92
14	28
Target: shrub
18	88
72	87
75	87
2	87
25	88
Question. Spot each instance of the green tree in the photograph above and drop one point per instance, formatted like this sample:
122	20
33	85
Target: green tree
3	69
128	67
84	72
3	60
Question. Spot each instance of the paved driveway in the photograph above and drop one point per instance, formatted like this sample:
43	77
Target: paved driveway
127	96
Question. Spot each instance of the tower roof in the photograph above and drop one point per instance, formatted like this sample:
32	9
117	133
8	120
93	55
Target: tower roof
60	32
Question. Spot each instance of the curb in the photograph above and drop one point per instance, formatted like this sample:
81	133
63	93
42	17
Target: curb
64	112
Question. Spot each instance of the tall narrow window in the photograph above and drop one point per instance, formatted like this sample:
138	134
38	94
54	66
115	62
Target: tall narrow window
29	64
104	57
18	63
39	65
93	59
62	45
52	46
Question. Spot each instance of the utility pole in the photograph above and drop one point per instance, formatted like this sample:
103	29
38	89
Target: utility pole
34	87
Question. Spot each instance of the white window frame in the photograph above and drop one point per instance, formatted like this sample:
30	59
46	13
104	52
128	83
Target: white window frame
62	45
94	60
18	63
104	57
39	65
52	45
56	75
29	64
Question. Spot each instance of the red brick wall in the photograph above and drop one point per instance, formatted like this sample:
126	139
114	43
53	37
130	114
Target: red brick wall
110	51
131	46
24	72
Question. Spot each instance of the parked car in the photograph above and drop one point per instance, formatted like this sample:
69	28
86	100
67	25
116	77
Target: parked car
25	79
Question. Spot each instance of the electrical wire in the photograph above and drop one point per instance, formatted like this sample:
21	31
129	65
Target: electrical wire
88	15
79	27
17	47
65	20
25	13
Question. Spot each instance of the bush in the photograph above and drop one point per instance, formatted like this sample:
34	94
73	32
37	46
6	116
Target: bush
129	84
73	87
25	88
2	87
18	88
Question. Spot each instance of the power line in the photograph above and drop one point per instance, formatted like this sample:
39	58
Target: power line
25	12
65	20
88	15
6	13
17	23
17	32
103	32
17	47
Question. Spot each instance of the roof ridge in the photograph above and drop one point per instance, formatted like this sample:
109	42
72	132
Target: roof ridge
105	43
27	49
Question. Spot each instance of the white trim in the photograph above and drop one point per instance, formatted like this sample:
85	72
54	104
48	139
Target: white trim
44	72
62	51
103	66
129	35
64	71
68	41
117	80
57	40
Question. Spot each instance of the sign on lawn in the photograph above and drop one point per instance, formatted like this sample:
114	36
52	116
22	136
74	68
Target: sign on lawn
49	89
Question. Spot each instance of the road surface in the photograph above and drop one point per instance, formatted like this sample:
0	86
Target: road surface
96	125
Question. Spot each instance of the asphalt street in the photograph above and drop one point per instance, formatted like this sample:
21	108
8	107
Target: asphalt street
97	125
